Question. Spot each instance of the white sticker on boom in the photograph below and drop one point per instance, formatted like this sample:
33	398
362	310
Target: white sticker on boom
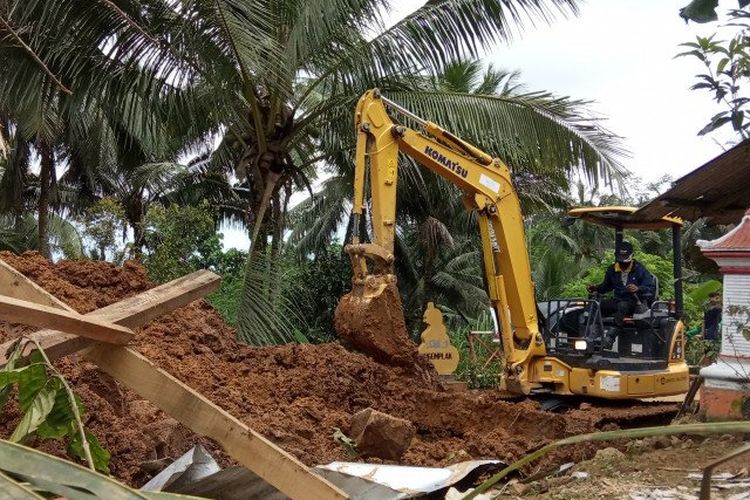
636	348
609	384
490	183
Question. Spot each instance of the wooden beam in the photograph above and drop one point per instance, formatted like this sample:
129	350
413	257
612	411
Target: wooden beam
33	314
16	285
249	448
131	312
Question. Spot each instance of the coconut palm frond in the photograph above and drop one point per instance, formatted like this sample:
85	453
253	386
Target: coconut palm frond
268	317
526	132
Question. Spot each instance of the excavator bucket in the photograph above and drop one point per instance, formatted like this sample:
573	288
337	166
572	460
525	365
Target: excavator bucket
371	318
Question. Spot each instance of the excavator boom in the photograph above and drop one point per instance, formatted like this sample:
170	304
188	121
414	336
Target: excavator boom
371	316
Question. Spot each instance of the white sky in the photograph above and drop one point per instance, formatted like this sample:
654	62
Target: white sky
620	54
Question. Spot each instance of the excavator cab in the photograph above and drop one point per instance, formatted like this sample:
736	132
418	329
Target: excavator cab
650	338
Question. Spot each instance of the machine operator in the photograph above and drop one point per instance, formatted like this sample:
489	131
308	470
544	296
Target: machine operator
632	285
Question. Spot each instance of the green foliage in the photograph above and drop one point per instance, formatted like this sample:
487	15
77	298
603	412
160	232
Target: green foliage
700	352
316	284
704	11
553	271
230	265
102	223
479	366
179	240
54	477
726	66
577	288
700	293
50	409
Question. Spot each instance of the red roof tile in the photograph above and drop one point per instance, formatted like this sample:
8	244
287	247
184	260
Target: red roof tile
735	240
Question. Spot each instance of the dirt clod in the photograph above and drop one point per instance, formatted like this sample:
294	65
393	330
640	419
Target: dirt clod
607	455
378	434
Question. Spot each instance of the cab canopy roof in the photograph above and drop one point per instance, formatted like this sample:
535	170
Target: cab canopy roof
622	217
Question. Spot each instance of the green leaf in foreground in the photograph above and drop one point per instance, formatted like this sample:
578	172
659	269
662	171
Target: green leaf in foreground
37	466
31	380
37	411
61	421
100	455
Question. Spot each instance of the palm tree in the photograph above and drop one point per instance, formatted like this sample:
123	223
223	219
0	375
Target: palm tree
19	229
278	81
430	222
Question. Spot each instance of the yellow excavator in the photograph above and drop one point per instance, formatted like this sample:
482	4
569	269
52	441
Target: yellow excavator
557	351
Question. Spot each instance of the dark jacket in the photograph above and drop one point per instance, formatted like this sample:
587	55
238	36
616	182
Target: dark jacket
637	275
711	322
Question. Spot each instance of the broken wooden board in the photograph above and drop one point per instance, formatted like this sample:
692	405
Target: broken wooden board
41	316
16	285
132	312
249	448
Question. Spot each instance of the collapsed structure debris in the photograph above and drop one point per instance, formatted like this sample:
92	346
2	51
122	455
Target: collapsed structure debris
295	395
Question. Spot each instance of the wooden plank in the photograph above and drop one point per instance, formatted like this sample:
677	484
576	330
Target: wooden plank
41	316
16	285
129	367
131	312
248	447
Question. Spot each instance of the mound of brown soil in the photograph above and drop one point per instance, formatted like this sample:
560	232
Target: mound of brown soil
295	394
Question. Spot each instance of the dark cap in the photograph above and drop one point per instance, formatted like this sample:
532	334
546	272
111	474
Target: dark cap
624	251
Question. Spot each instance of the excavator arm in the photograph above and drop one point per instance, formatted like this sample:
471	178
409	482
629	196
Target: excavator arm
488	190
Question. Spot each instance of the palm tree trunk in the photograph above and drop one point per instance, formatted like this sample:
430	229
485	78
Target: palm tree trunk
279	222
135	213
45	176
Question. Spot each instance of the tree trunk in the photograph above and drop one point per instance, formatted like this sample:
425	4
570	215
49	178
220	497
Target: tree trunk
135	214
277	241
45	180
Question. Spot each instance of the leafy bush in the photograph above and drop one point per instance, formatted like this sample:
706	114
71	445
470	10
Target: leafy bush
316	284
50	408
230	265
102	223
700	352
480	369
179	240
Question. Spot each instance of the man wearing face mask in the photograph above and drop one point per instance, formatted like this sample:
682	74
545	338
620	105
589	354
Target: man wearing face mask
631	283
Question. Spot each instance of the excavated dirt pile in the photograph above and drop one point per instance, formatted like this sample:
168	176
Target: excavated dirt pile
295	395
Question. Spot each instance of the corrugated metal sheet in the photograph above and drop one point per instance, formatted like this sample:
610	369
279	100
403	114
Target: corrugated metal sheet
720	190
380	482
189	475
736	293
233	483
